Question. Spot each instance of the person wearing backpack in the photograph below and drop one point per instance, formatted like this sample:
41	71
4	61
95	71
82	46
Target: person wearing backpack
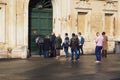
81	43
65	45
46	46
40	44
74	42
52	43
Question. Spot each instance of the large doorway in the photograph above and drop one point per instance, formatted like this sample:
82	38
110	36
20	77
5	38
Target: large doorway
40	21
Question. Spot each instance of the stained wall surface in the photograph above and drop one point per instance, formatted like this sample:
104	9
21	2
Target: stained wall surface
71	16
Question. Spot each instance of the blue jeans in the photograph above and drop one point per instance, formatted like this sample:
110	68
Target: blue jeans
66	52
76	54
98	53
46	53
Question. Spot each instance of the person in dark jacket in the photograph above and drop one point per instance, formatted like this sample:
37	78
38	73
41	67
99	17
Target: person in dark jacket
74	42
58	42
52	43
46	46
66	44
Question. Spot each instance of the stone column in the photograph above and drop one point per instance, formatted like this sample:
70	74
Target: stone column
12	23
20	22
25	28
55	6
56	16
68	17
2	23
3	30
26	9
65	17
118	26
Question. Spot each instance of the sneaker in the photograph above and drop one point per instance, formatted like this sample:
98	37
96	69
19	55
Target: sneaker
57	57
97	61
76	60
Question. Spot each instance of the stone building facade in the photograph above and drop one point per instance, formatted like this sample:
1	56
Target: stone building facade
86	16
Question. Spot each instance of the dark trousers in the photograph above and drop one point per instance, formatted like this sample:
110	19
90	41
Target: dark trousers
40	46
80	49
53	52
104	53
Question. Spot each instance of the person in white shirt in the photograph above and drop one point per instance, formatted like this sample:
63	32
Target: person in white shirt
81	42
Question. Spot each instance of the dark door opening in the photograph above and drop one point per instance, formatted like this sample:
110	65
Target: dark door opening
40	21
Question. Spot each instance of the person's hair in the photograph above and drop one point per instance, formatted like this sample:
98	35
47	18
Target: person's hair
103	33
66	34
79	33
76	36
73	34
53	33
97	32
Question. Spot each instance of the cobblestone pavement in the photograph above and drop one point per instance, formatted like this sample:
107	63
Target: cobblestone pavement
38	68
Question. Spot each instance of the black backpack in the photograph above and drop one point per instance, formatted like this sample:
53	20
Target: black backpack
73	41
66	43
40	40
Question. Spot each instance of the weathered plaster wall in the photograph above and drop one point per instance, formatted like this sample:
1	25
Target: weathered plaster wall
14	29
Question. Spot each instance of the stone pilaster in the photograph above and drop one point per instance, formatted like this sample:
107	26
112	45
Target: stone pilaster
3	22
118	27
12	23
20	22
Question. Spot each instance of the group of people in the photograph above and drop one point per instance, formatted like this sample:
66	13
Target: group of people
76	45
101	46
51	46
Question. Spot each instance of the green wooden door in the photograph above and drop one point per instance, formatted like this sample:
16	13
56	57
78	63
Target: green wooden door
40	24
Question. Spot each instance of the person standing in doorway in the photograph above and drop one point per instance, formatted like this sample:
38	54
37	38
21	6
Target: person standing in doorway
105	45
81	42
46	46
99	44
40	44
52	42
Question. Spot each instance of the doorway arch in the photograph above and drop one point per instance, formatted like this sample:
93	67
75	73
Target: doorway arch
39	22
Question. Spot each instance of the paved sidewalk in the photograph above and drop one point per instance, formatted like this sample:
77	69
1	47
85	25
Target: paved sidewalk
38	68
